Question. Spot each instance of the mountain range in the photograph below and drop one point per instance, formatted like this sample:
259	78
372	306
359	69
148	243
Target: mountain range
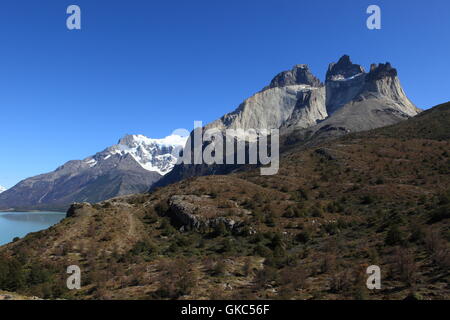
130	166
364	179
295	101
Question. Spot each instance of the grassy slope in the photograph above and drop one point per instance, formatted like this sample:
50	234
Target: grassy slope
380	197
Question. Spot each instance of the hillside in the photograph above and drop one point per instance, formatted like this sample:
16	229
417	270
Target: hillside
378	197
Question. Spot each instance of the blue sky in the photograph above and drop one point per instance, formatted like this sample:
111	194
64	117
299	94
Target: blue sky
150	67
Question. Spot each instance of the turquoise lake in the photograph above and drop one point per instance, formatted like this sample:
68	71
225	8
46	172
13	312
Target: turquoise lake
19	224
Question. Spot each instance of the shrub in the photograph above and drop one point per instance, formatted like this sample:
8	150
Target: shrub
394	236
167	228
317	212
220	229
303	237
405	266
227	246
162	208
331	228
294	277
417	233
341	282
177	280
263	251
367	199
265	276
219	268
440	214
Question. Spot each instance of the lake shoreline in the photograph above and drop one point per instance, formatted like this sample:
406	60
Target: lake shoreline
31	211
17	224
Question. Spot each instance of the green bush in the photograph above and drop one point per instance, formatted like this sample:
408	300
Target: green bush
144	248
303	237
394	236
440	214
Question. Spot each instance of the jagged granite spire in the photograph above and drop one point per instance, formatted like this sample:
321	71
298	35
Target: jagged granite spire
380	71
344	81
343	69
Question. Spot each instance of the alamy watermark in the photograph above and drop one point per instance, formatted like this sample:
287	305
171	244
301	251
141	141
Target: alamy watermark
374	20
73	22
374	279
74	280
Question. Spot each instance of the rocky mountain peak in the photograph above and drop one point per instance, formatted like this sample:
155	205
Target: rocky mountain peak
380	71
298	75
343	69
128	140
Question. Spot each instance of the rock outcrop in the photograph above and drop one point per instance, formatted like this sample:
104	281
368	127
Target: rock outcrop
193	212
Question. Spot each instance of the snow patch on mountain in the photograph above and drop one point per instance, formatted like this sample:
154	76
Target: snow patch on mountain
158	155
342	78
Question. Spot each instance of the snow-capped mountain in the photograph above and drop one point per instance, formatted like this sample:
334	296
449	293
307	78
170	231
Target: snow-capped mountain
157	155
130	166
2	189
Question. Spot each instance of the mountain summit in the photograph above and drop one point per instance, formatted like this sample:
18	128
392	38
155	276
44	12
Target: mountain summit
300	74
344	69
151	154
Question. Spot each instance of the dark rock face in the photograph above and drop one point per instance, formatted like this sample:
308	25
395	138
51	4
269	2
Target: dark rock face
344	81
380	71
300	74
78	209
343	69
326	153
